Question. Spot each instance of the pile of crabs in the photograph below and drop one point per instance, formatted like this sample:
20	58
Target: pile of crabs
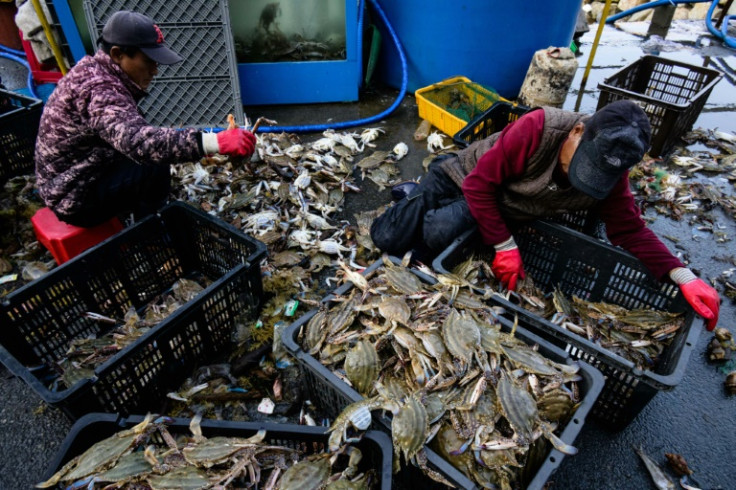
436	360
149	455
435	365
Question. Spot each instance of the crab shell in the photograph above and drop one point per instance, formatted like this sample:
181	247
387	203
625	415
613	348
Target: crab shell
331	247
400	150
323	144
730	383
302	237
678	464
447	443
722	334
394	308
370	134
315	331
362	366
342	316
518	406
555	405
409	428
184	477
402	280
461	335
303	180
360	418
306	474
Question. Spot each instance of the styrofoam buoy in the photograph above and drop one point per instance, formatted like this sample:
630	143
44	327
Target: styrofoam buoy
548	78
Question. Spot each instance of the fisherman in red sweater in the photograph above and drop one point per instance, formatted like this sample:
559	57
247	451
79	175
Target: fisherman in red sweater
547	163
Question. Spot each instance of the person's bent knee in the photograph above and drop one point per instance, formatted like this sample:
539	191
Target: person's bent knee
443	225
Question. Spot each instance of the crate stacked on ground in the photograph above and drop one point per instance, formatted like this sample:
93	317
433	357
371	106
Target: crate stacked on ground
128	271
201	90
332	395
557	257
19	120
450	104
92	428
672	94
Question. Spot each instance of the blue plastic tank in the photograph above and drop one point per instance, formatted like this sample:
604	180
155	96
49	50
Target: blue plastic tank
490	42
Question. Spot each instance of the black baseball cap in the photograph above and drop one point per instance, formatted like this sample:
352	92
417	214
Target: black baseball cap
125	28
615	139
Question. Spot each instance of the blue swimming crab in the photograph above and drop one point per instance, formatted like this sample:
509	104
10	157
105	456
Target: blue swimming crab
357	415
106	453
520	410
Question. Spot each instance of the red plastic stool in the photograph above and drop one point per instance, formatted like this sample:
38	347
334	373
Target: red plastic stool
41	72
66	241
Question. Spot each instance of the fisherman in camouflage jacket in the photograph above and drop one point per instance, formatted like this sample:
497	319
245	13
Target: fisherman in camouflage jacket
96	156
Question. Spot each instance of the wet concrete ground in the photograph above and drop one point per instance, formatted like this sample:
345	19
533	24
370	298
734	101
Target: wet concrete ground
695	419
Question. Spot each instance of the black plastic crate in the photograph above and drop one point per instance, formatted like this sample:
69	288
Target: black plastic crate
491	121
332	395
375	446
584	221
671	93
19	120
130	270
557	257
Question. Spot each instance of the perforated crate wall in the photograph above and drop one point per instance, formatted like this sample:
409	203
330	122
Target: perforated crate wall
128	270
202	89
558	257
19	120
375	447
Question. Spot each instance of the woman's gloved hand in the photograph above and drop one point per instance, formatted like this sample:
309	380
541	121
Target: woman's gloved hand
234	142
703	298
507	265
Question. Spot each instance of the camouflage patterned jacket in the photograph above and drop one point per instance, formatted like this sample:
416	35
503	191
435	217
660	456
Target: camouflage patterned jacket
90	120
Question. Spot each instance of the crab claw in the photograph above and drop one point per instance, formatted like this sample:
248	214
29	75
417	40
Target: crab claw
478	459
88	482
462	448
558	443
163	420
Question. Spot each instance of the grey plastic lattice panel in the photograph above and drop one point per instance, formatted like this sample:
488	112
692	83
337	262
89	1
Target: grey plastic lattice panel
163	12
203	88
173	102
202	49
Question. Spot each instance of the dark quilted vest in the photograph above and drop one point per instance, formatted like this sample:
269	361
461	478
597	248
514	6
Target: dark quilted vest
534	194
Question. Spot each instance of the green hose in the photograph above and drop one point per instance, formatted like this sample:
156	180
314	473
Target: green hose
373	55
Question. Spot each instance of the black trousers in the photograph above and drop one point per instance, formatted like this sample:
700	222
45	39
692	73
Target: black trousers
125	187
427	220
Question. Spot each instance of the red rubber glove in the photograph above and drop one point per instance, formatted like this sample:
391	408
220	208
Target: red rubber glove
236	142
704	300
507	267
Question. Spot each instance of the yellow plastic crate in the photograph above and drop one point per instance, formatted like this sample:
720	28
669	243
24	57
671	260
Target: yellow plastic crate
452	103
